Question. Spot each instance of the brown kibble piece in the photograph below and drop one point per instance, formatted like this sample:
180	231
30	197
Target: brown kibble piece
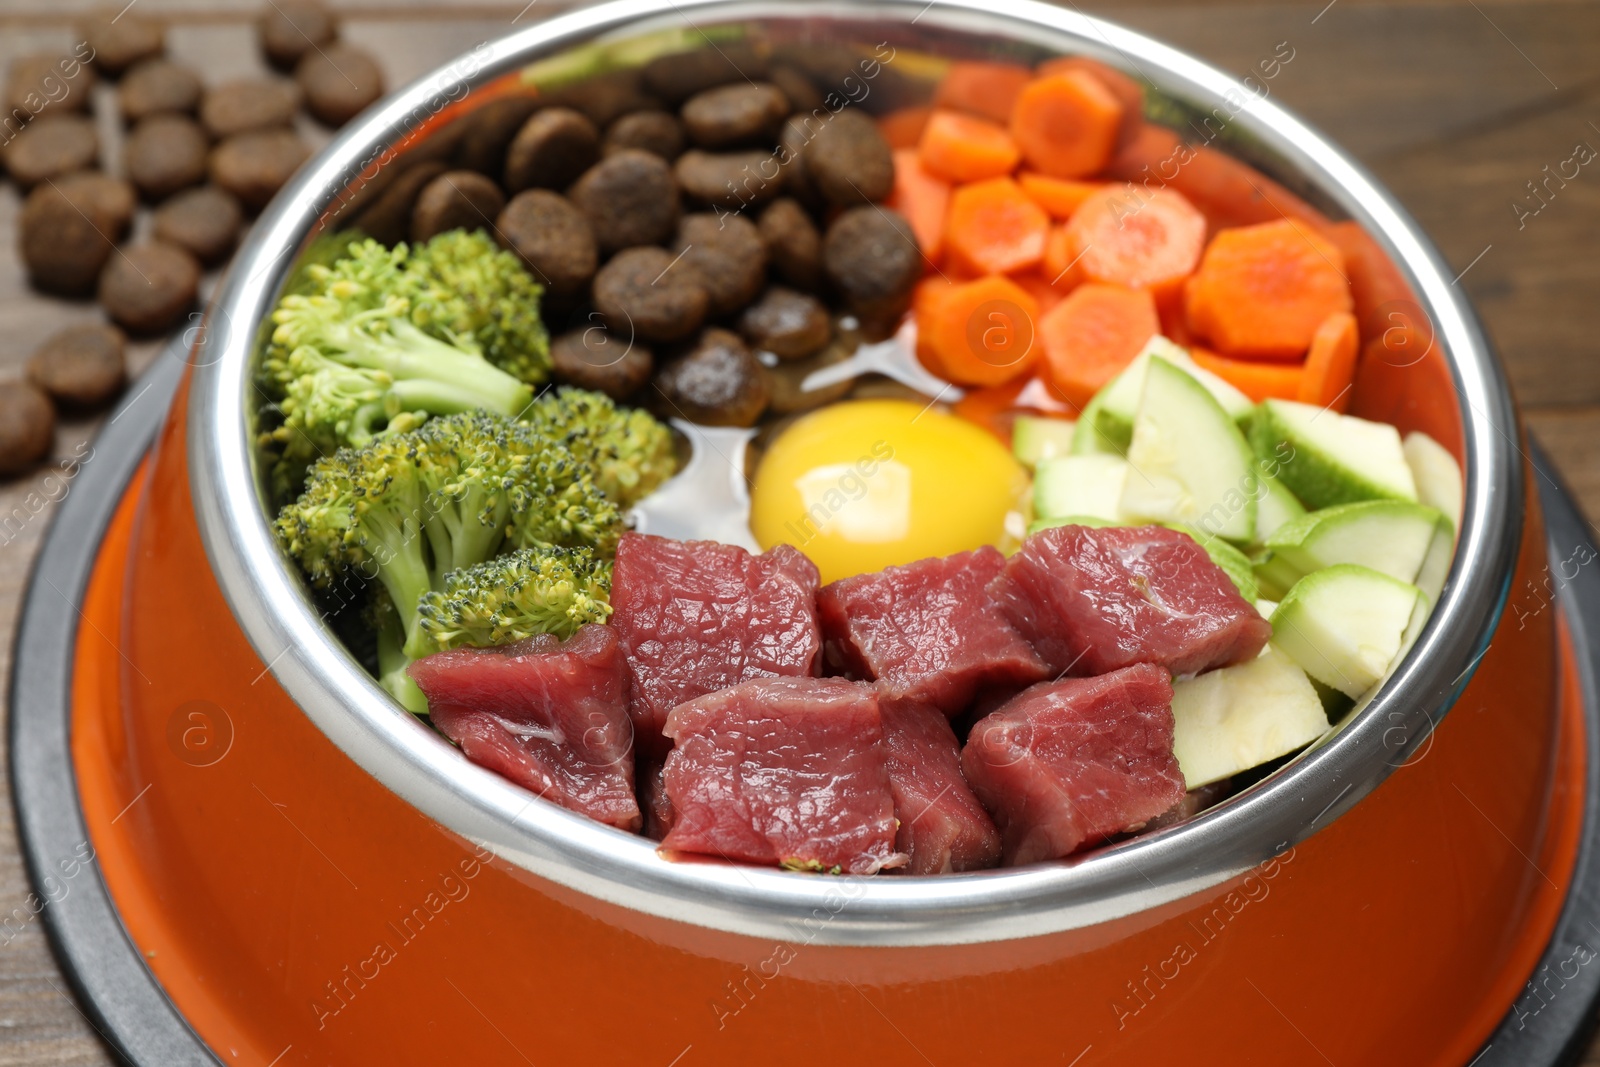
726	256
718	383
386	217
249	104
68	229
254	166
788	324
27	426
643	295
595	358
552	237
728	179
339	82
490	130
848	161
52	146
147	288
456	200
165	153
872	258
81	366
802	91
120	38
49	82
604	98
552	148
785	381
629	198
735	114
203	222
649	131
797	132
794	245
158	86
679	75
291	28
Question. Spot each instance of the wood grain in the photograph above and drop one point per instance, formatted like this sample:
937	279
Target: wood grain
1456	106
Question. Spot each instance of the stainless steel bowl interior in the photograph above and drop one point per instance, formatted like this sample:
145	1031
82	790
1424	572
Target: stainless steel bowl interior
271	604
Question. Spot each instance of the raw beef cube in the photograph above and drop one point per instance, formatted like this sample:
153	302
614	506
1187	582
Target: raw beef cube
943	828
928	632
698	616
1071	762
785	771
658	813
1093	600
552	716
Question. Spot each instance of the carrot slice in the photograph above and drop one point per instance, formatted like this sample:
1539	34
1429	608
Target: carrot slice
1060	261
1059	196
922	198
976	333
1256	380
1039	287
1331	363
1093	334
1066	125
993	228
1143	240
1124	88
987	89
903	128
1261	291
965	148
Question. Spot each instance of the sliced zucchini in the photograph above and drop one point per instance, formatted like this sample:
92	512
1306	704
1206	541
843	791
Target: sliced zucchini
1079	485
1437	474
1345	624
1326	458
1229	720
1035	438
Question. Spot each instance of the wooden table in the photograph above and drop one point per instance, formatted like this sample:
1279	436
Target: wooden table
1455	106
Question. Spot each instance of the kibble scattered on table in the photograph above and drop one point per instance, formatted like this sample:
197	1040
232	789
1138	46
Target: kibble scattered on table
81	367
150	287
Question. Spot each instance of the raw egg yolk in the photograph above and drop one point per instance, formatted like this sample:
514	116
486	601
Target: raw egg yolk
866	484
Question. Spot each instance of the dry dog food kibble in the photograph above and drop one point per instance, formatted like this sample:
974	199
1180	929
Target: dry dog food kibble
120	38
48	81
649	131
785	382
158	86
147	288
249	104
718	383
606	97
67	229
291	28
794	247
728	179
553	239
385	215
339	82
848	161
81	366
735	114
488	132
165	153
801	91
50	147
629	198
644	296
594	358
27	426
254	166
204	222
552	148
726	256
788	324
456	200
872	258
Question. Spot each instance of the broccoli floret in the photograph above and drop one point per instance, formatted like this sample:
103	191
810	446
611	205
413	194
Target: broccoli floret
512	597
409	508
467	286
630	450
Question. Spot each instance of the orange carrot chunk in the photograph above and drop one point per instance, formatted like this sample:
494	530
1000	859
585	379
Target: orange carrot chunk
903	128
1261	291
976	333
965	148
1058	196
1257	380
1093	334
1060	267
1067	124
1124	88
922	198
1137	238
1331	363
987	89
993	228
1039	287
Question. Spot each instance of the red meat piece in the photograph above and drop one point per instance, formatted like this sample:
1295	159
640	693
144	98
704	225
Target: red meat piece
928	632
1071	762
943	828
1093	600
783	770
698	616
549	715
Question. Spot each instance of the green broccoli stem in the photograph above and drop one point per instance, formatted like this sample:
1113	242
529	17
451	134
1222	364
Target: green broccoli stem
401	564
432	371
392	664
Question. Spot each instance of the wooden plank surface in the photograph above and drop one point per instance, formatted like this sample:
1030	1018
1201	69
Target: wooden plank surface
1456	106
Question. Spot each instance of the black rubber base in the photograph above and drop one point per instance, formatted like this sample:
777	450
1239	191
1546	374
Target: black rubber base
1549	1026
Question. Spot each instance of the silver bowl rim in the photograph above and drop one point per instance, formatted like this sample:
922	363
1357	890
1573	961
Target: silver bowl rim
270	603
